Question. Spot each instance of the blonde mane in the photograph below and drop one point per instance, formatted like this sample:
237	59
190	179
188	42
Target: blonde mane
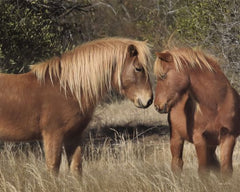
189	58
87	70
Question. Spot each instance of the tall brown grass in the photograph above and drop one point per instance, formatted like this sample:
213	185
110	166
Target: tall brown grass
142	165
117	164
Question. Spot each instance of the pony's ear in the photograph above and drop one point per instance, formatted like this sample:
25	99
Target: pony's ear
132	51
166	56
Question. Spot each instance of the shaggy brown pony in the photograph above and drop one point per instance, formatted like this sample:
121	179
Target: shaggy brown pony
203	107
56	99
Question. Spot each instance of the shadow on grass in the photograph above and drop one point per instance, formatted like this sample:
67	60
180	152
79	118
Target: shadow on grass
97	137
114	134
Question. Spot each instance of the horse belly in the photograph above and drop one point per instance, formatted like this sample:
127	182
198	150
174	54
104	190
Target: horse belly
17	130
19	121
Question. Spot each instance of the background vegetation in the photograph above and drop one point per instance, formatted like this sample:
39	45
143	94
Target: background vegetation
34	30
130	149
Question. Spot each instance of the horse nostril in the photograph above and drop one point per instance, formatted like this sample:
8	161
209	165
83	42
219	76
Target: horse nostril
150	102
156	107
144	105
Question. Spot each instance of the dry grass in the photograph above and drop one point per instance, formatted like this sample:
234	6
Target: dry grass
125	166
117	164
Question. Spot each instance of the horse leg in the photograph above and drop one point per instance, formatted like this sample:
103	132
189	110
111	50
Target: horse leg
74	156
176	145
53	150
201	149
227	143
213	162
76	163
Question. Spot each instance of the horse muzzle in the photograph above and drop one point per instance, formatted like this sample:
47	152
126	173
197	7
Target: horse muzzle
143	103
162	109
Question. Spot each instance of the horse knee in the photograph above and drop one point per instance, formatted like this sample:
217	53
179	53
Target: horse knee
53	152
199	139
177	165
52	162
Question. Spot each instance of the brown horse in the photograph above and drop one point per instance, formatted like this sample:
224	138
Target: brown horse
203	107
56	99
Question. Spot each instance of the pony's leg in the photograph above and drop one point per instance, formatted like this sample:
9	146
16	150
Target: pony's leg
227	144
201	149
53	150
176	145
76	163
74	156
213	162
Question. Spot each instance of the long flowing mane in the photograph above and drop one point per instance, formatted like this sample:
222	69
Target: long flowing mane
190	58
87	70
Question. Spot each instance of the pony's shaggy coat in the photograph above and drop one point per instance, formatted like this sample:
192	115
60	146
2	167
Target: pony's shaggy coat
203	107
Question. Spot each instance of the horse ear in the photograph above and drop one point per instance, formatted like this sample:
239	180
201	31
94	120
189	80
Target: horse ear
166	56
132	50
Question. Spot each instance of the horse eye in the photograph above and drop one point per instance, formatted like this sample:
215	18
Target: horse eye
163	76
139	69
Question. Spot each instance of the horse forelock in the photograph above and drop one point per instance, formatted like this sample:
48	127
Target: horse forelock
189	58
158	67
87	70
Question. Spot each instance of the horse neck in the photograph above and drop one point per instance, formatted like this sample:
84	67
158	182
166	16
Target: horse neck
208	88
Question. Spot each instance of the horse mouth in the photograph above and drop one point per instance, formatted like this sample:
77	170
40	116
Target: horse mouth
164	109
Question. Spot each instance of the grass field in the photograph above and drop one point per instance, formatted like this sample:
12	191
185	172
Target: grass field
114	160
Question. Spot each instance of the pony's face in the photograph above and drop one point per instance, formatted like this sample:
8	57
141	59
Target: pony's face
135	81
171	84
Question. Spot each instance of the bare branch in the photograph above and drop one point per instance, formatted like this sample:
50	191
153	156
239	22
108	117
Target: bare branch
105	5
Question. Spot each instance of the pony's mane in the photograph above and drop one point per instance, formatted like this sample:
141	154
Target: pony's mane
190	58
87	70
